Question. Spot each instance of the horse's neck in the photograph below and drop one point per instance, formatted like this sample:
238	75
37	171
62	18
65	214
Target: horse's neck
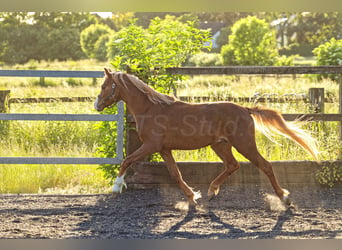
136	101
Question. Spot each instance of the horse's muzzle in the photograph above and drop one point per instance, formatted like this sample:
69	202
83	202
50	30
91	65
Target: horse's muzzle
96	105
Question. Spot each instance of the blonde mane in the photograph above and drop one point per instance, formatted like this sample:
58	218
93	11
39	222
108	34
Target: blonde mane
154	96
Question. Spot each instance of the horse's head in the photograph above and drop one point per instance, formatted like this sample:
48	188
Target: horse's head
108	95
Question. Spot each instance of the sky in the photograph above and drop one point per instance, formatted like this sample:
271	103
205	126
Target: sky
103	14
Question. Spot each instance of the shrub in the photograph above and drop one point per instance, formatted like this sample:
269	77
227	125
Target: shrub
251	42
329	53
148	52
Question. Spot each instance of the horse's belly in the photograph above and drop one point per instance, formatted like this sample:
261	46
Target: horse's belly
187	142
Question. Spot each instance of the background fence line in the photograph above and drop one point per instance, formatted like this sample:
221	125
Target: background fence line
231	70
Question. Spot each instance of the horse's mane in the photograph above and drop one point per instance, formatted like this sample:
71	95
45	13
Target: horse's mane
154	96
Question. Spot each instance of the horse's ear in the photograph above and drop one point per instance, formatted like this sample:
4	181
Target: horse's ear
108	72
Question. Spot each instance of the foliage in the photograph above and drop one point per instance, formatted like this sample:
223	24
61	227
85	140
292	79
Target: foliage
285	60
121	19
316	27
107	143
67	47
252	42
329	53
330	174
148	52
101	47
90	36
205	59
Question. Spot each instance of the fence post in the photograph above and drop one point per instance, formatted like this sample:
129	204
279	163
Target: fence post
316	99
4	96
41	81
4	108
133	141
340	106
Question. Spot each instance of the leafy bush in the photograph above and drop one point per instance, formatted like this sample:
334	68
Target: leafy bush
148	52
285	60
205	59
251	42
329	53
89	37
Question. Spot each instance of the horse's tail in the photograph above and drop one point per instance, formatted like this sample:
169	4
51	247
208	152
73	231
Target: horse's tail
269	121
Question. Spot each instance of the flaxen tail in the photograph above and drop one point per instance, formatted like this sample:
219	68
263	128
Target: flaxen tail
269	121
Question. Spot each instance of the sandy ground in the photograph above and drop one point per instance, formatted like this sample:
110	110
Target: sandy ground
237	213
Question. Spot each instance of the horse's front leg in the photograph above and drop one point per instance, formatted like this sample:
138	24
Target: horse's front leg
144	150
177	176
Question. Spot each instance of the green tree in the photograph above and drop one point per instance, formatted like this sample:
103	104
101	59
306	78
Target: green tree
89	37
41	36
23	42
62	20
101	47
329	53
252	42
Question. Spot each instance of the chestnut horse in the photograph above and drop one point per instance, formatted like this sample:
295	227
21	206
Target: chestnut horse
165	123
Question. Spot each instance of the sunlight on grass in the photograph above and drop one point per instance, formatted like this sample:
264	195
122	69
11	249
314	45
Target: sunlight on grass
52	179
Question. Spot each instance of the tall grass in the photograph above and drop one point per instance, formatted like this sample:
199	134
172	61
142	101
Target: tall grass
79	139
51	139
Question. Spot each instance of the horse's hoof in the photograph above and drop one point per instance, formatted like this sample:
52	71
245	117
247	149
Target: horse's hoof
212	194
195	196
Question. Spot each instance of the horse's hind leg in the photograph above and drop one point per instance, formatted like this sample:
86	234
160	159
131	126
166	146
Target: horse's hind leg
177	176
224	151
252	154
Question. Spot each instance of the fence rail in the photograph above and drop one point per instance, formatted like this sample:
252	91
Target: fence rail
50	99
51	73
266	98
255	70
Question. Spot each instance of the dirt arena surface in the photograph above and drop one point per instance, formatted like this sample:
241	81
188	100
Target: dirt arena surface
246	212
